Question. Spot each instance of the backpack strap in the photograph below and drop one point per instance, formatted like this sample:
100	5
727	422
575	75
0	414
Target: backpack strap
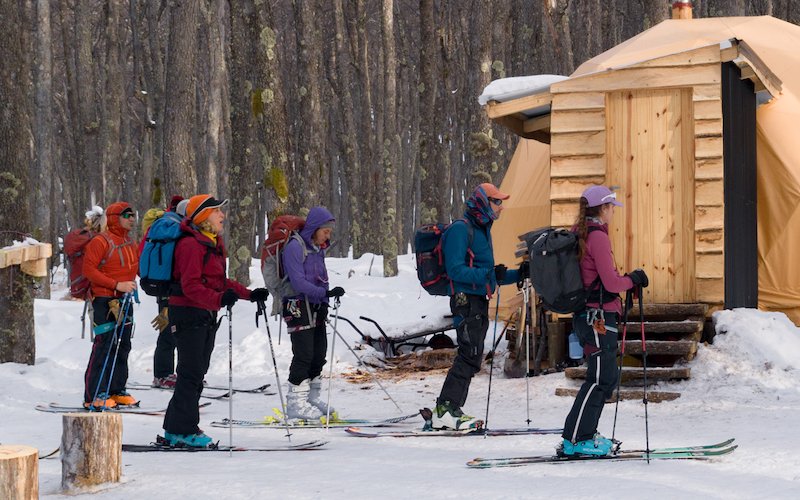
596	291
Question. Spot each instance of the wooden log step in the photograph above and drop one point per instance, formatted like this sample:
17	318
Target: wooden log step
627	394
679	328
659	347
632	373
670	311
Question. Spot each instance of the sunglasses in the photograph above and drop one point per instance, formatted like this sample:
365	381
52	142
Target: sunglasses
496	201
128	215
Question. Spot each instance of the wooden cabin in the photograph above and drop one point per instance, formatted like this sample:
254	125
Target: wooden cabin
691	126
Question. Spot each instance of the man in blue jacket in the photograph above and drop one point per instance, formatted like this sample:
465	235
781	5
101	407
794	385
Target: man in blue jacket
469	260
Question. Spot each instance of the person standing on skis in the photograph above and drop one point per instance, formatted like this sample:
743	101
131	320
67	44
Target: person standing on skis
110	264
469	260
596	325
306	313
199	271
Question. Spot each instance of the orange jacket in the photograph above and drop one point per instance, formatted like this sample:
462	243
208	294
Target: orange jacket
111	256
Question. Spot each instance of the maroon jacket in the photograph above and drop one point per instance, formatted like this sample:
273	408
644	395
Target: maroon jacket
599	261
202	277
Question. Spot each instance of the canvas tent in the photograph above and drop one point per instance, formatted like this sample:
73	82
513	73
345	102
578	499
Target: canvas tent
768	48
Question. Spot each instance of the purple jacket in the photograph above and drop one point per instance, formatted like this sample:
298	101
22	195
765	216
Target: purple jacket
599	260
308	276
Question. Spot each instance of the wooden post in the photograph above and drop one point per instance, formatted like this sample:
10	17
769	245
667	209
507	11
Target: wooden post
19	472
91	449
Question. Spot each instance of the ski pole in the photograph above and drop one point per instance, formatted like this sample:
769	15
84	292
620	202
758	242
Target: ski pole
491	368
114	335
83	318
262	309
366	366
230	379
126	305
527	335
330	371
644	367
628	300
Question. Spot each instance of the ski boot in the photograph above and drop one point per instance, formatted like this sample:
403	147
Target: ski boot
167	382
101	402
122	398
315	399
597	446
447	416
199	440
297	404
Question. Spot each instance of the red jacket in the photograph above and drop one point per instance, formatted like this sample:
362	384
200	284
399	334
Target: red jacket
199	267
119	253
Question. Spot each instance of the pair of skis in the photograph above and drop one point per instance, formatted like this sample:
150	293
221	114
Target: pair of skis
161	445
701	452
223	395
136	410
277	422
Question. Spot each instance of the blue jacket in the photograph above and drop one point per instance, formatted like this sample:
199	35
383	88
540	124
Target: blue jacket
477	279
306	269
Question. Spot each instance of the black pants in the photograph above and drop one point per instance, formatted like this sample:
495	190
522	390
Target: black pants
164	355
600	351
195	330
309	345
96	379
471	312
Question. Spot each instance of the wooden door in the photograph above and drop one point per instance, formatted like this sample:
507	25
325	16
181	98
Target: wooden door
651	163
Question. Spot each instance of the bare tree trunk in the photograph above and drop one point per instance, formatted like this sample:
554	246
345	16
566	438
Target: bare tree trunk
179	105
391	143
16	155
247	148
43	132
114	92
88	120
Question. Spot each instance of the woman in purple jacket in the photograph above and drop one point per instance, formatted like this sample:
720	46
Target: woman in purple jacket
306	312
596	325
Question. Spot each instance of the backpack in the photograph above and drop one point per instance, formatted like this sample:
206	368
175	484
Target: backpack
156	259
74	245
555	269
282	229
431	268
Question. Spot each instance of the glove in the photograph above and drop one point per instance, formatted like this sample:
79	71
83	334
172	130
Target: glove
259	295
639	278
500	272
229	298
336	292
113	308
162	320
523	272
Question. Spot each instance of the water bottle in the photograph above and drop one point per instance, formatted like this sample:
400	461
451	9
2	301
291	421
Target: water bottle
575	349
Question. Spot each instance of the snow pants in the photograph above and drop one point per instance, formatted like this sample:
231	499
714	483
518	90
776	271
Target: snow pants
309	345
471	316
194	330
600	352
164	355
106	354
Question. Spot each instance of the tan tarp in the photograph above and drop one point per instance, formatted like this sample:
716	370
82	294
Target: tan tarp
776	43
528	182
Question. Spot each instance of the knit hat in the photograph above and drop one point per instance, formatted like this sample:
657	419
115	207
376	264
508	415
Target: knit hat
94	213
173	203
600	195
180	209
330	224
200	207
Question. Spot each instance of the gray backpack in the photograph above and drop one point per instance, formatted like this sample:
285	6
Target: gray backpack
275	279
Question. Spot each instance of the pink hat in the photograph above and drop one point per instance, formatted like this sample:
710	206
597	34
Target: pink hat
600	195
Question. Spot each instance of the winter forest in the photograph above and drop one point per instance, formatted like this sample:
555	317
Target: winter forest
368	107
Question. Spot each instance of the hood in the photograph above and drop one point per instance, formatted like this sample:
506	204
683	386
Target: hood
112	217
317	216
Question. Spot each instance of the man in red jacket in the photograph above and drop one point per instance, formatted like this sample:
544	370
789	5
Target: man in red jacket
110	265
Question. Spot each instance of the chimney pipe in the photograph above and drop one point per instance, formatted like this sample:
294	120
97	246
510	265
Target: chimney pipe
682	9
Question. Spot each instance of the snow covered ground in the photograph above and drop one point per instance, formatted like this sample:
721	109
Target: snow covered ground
746	385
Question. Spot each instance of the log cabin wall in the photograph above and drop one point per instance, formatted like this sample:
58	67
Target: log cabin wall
673	222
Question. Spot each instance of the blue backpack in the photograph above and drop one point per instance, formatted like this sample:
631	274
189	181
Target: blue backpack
155	263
